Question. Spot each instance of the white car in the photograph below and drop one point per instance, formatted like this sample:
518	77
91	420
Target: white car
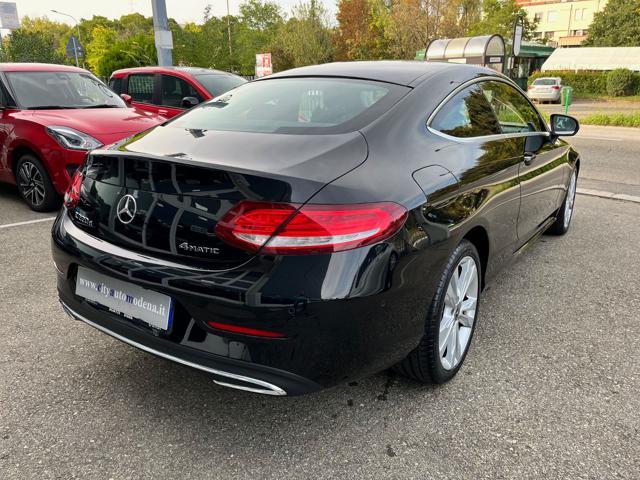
545	89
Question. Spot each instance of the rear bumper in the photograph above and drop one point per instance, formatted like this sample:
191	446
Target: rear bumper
224	371
551	96
343	315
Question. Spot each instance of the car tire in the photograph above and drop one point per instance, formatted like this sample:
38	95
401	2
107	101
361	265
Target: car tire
429	362
35	186
565	212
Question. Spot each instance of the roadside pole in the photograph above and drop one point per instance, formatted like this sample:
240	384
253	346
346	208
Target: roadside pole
516	42
163	38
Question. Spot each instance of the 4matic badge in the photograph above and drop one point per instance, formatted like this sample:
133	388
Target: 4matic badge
188	247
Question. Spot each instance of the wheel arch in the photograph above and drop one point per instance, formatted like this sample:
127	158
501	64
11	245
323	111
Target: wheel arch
479	237
18	152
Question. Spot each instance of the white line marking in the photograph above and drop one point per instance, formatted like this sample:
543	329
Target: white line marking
29	222
613	196
609	139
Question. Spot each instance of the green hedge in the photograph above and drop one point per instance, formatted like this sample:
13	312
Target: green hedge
621	82
586	83
615	119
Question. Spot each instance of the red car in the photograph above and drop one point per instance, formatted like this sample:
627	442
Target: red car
169	91
52	115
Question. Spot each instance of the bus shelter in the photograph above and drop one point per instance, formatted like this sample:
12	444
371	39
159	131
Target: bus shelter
485	50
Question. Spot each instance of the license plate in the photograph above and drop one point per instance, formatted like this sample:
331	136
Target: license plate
126	299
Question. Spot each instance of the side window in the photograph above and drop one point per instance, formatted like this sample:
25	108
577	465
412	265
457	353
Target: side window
515	114
468	114
141	87
174	89
115	84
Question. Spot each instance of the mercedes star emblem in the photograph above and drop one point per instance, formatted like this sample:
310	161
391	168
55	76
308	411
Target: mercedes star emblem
127	209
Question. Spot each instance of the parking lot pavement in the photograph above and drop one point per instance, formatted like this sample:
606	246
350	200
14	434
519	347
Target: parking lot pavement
549	390
13	209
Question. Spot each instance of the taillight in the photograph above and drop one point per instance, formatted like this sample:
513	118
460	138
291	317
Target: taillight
555	87
72	196
312	229
531	87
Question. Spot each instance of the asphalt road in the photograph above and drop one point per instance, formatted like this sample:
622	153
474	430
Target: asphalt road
610	158
549	389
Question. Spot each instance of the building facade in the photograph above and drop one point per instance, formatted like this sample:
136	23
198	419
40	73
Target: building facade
564	23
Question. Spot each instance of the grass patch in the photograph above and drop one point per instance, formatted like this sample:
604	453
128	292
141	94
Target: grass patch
613	119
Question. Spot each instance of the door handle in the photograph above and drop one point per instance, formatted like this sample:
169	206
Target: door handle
529	158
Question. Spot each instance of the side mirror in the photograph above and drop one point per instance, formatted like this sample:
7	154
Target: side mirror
188	102
563	125
127	98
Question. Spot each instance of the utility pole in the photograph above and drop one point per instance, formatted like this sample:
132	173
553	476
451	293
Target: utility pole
163	38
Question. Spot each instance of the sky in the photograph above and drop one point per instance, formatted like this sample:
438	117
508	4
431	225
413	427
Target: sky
182	10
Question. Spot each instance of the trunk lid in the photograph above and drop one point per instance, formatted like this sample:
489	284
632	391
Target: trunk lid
165	197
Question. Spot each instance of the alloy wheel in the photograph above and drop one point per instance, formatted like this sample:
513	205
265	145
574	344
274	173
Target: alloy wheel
31	183
571	198
459	313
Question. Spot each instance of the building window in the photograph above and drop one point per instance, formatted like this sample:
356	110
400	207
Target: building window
537	16
552	16
580	14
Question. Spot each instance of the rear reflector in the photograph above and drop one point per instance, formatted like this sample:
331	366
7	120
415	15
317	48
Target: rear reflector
72	196
279	228
244	330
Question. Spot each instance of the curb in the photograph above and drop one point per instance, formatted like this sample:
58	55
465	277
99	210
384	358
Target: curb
610	195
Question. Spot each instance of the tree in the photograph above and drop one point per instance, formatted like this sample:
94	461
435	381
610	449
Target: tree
136	51
102	41
354	37
617	25
499	17
31	46
255	31
305	39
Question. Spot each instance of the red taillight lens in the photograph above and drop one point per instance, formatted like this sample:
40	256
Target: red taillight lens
312	229
72	196
531	87
555	87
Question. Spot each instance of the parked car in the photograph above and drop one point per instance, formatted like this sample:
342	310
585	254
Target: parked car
52	115
169	91
546	89
318	225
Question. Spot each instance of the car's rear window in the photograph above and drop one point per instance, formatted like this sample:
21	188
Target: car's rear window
217	84
545	81
295	105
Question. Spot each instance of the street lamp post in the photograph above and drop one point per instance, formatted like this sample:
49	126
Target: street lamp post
75	49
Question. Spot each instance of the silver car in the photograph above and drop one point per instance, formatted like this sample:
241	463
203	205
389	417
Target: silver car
545	89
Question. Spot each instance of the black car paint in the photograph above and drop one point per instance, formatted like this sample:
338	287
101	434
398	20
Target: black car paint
351	313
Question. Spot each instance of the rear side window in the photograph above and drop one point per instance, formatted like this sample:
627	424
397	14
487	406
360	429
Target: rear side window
116	84
174	89
467	114
515	114
141	87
